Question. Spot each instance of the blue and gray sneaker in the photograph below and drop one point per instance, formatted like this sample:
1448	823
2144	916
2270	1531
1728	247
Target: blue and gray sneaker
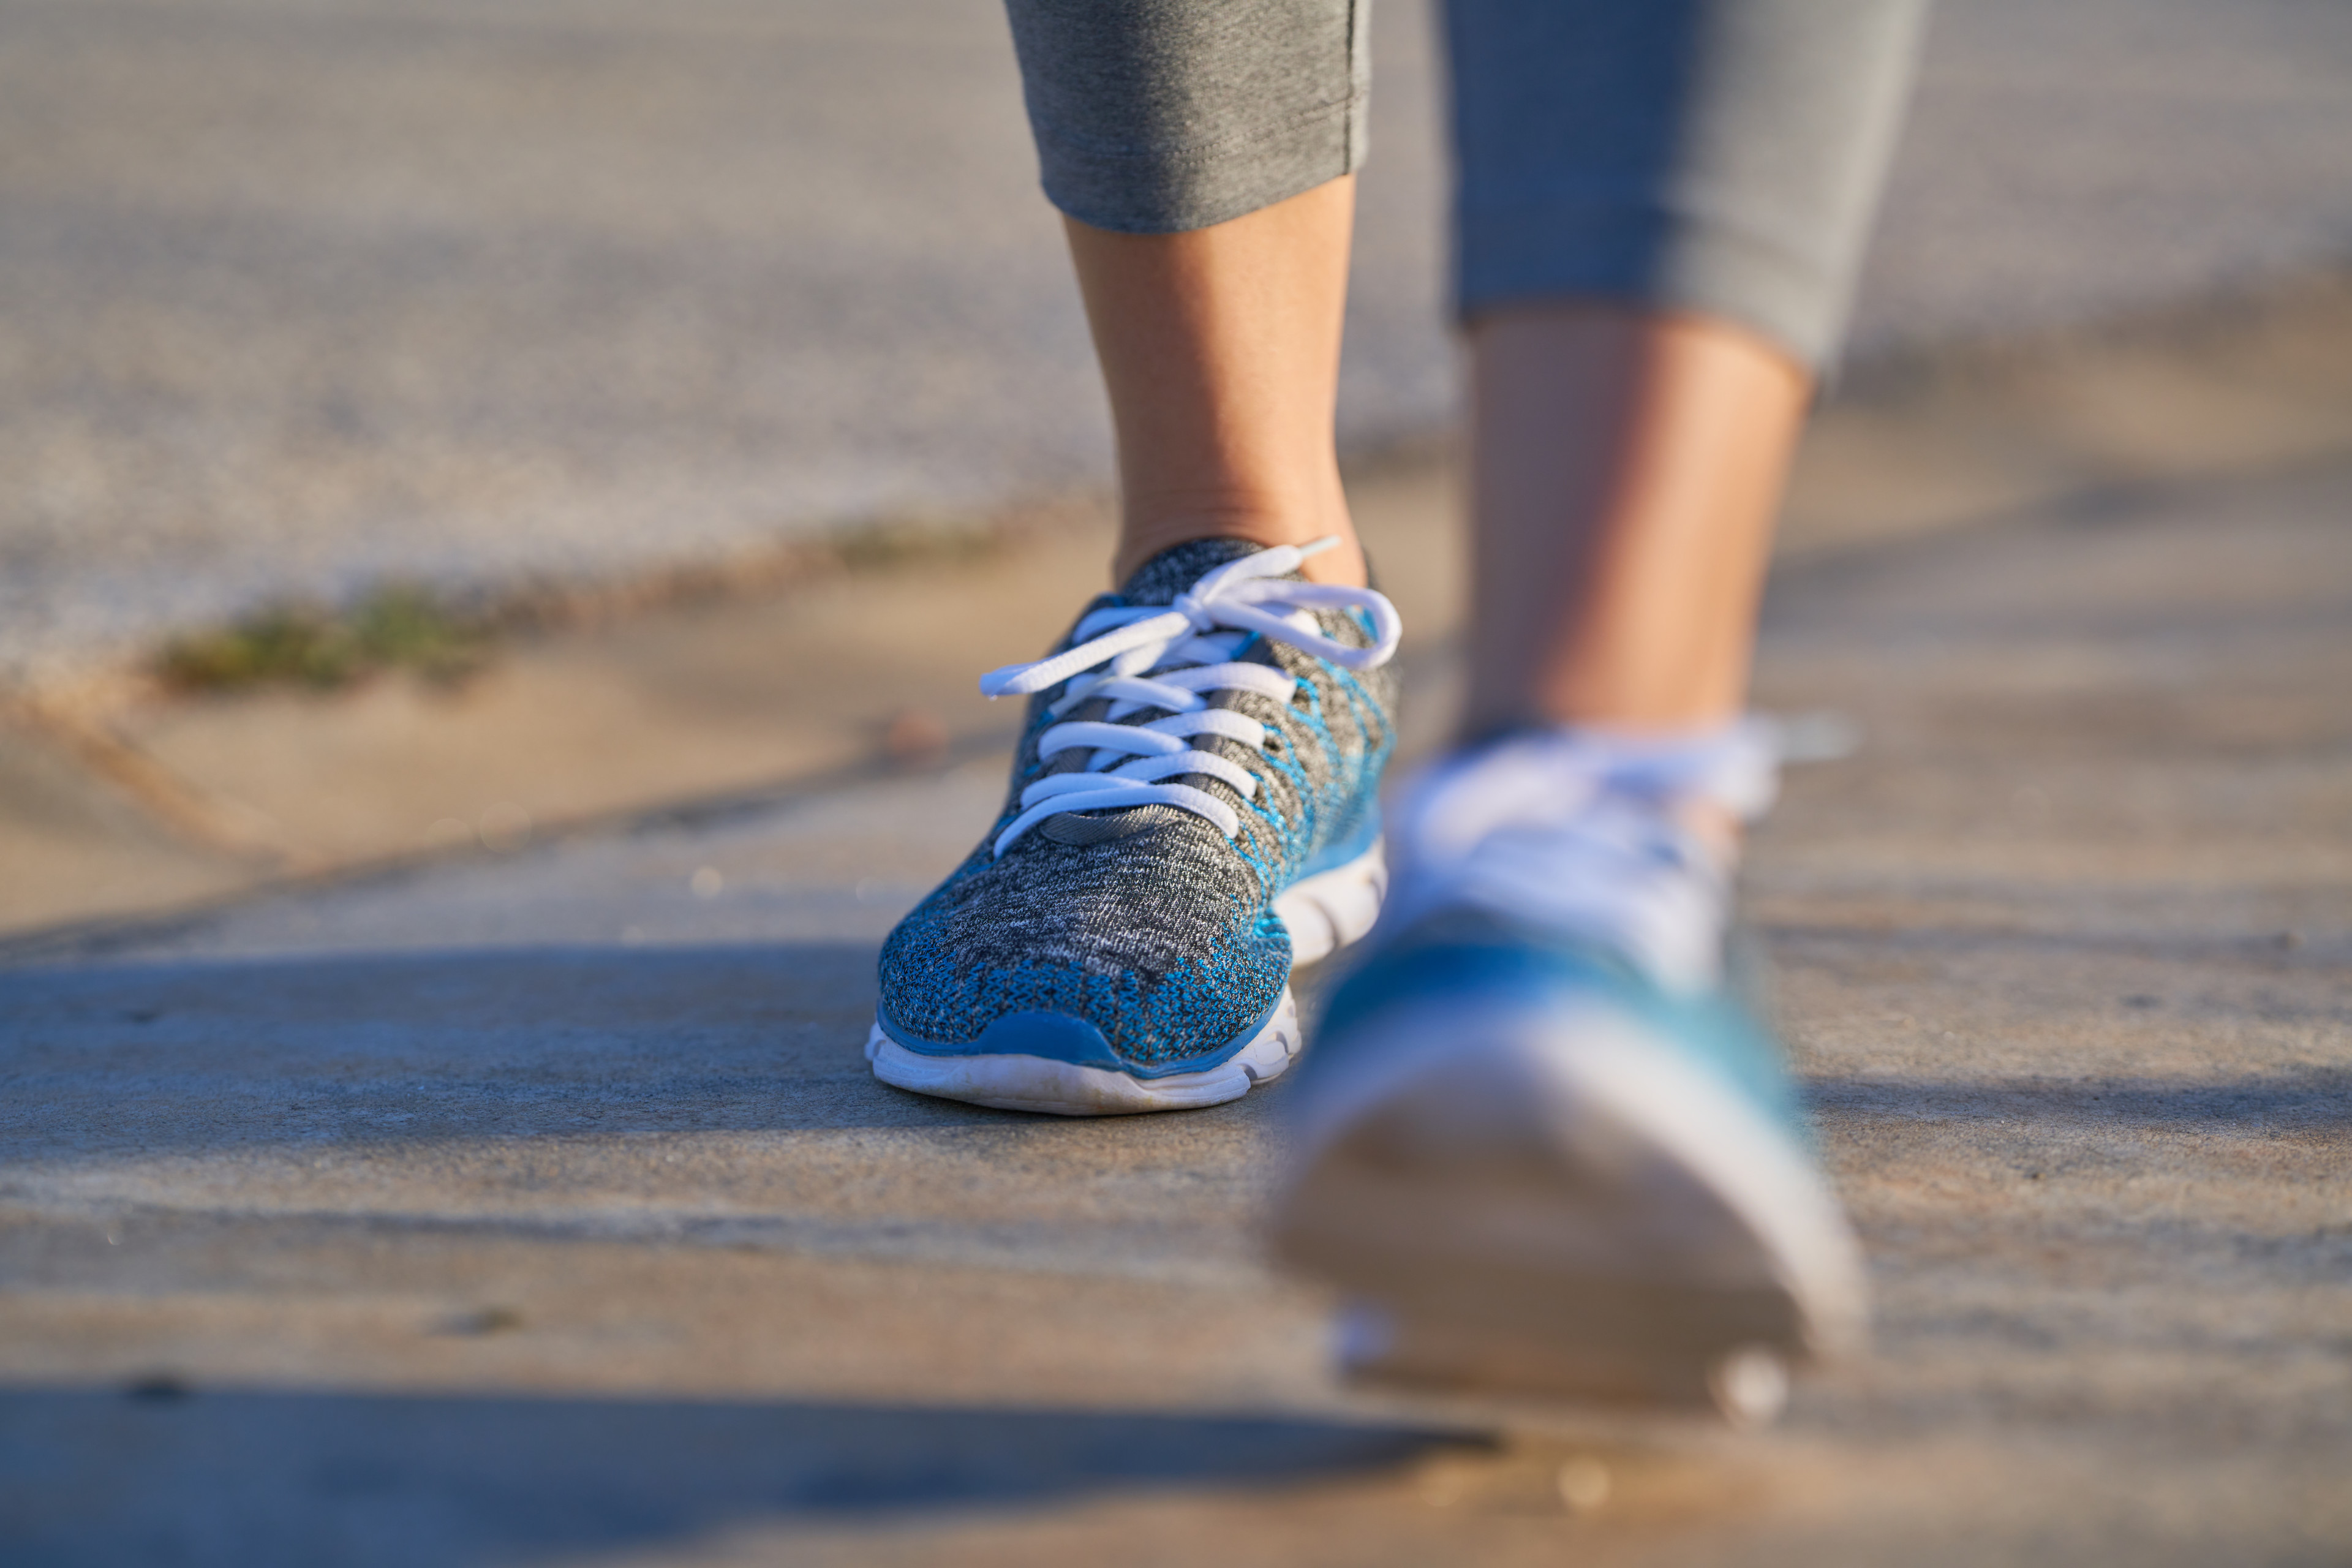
1541	1144
1193	811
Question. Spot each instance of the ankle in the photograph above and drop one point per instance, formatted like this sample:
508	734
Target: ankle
1143	536
1343	565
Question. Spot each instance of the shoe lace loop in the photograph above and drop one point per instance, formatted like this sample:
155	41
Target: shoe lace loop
1156	659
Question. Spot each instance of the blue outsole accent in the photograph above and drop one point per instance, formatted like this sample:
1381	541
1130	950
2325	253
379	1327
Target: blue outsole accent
1714	1031
1060	1037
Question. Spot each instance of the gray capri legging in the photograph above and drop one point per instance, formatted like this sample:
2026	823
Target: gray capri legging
1720	157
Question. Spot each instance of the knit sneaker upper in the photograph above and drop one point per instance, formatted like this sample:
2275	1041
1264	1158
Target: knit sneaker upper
1149	921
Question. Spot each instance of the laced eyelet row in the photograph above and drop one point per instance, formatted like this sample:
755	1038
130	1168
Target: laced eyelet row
1146	659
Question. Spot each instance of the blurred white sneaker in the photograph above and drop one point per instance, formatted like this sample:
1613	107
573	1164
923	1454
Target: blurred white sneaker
1540	1143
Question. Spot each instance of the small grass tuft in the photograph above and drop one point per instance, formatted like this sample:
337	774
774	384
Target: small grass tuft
397	626
882	543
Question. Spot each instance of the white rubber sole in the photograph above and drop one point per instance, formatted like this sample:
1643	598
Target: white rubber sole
1324	913
1065	1089
1561	1208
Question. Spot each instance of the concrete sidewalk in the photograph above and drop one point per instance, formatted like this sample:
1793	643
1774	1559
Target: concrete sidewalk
434	1128
299	295
697	703
538	1208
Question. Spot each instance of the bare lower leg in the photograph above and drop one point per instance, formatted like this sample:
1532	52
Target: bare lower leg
1220	348
1626	470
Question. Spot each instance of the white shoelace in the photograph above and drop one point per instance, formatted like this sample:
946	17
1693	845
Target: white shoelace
1580	831
1164	659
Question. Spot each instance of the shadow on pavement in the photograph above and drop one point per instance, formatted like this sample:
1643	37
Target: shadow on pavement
402	1046
406	1046
153	1474
2316	1101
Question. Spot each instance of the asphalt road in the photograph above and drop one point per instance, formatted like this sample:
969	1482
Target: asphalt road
300	295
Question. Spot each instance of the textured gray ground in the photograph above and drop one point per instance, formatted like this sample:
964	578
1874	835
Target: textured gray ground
541	1210
299	294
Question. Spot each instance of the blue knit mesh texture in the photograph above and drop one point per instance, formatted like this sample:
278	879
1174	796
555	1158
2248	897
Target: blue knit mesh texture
1165	938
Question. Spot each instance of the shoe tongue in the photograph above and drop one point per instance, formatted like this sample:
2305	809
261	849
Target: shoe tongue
1159	579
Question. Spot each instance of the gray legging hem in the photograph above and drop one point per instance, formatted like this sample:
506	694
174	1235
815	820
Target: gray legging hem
1679	262
1157	116
1132	192
1717	157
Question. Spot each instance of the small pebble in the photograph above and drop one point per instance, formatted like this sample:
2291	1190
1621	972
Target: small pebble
914	738
1751	1386
1583	1484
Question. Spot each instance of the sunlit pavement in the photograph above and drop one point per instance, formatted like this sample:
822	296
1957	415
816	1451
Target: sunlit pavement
541	1209
531	1205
